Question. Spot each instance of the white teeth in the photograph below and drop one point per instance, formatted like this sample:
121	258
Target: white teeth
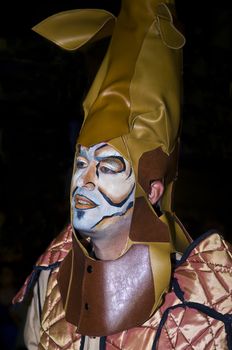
81	202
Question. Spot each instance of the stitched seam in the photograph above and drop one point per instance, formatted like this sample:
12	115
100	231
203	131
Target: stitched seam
48	320
169	338
74	337
166	331
227	249
223	299
220	280
205	330
54	305
64	242
219	330
217	277
204	289
115	346
40	346
228	268
59	247
148	327
178	327
211	329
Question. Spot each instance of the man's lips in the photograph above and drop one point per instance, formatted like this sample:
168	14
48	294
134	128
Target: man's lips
82	202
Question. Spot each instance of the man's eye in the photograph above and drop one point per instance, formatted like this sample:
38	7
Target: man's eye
106	170
81	164
111	165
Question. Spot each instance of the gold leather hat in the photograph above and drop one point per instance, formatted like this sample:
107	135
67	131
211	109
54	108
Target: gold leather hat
134	105
134	101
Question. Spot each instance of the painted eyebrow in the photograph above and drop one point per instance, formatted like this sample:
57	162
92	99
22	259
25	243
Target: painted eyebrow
82	154
81	151
105	145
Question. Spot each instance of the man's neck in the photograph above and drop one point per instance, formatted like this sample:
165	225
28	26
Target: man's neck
110	243
112	248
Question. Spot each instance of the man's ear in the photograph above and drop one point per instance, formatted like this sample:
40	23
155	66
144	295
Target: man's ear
156	191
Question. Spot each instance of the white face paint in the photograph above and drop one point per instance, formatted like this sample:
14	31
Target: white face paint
103	189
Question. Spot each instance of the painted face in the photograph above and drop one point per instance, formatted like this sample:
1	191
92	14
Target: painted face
103	189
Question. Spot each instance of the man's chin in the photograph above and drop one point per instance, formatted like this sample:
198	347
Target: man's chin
87	232
82	230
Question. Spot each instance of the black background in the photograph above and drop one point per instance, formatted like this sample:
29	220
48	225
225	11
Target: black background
41	90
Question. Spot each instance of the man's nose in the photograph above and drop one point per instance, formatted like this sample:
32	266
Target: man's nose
90	186
87	179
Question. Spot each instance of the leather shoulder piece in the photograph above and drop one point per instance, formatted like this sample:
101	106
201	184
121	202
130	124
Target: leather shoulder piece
51	258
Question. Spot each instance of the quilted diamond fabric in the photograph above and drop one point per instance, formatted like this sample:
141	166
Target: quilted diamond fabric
195	314
55	253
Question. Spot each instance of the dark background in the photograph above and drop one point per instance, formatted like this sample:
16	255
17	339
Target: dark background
41	91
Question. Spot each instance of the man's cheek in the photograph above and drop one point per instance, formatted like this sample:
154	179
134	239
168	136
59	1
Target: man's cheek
107	181
115	187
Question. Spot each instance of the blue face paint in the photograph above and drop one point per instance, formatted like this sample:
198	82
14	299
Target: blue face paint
80	214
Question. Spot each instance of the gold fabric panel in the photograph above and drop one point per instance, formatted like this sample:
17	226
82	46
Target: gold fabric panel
56	332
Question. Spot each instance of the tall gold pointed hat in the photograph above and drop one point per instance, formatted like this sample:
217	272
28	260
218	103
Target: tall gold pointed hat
134	105
134	101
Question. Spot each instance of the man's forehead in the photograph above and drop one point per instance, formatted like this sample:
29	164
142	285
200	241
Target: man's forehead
102	148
